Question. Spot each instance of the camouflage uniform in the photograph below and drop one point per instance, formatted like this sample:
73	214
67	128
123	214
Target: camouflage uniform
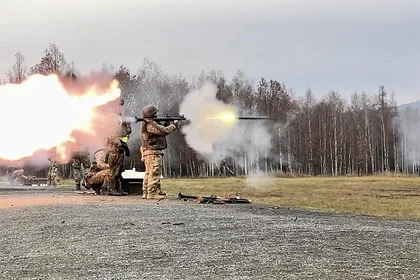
115	161
52	173
98	177
144	186
110	160
124	134
154	143
107	165
80	159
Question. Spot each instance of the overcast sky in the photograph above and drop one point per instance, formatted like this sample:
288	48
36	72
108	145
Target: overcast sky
342	45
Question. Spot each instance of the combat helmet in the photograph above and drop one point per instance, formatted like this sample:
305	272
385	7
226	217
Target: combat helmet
149	111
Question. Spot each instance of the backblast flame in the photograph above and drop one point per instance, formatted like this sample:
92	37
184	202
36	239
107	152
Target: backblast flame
42	114
226	117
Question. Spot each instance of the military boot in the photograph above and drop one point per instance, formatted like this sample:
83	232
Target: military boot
159	189
113	192
120	190
85	184
144	193
155	195
78	186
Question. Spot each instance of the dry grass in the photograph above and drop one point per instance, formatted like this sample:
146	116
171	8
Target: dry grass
383	195
67	182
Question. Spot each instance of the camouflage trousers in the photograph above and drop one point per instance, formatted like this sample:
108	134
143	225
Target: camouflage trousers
115	161
96	180
151	181
52	173
78	163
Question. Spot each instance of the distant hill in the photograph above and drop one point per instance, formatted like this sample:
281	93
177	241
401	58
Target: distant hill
414	105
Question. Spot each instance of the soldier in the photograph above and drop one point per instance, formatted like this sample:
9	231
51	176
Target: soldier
154	143
111	158
124	135
80	160
52	179
99	175
144	186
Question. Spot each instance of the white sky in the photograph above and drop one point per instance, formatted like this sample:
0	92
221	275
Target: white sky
342	45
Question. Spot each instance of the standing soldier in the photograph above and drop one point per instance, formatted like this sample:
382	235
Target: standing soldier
80	164
124	135
154	143
52	172
144	186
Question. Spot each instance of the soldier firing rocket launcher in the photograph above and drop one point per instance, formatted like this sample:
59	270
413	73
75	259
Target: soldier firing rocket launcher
162	119
182	118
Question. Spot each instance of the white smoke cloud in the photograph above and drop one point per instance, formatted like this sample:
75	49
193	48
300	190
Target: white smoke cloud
409	136
216	139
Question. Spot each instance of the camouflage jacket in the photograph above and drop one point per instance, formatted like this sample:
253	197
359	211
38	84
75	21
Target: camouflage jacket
153	137
101	159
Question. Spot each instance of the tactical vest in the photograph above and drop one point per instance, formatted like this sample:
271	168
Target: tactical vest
152	141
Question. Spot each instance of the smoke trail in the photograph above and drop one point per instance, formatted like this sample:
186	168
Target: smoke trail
215	132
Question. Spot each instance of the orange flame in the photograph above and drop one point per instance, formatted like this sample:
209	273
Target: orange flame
41	113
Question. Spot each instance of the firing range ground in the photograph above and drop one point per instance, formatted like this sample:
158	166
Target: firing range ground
65	235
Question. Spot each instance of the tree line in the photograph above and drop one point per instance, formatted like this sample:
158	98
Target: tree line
328	136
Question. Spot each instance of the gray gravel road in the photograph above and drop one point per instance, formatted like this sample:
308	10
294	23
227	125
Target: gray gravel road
117	239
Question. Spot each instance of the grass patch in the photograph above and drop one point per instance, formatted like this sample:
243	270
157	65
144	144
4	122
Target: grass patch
384	196
67	182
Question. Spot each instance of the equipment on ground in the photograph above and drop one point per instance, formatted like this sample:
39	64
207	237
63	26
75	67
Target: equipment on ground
213	199
35	181
32	180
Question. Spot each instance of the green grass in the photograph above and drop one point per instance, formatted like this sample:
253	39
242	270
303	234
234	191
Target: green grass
396	197
384	196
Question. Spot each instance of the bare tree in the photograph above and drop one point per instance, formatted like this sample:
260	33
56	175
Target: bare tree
19	71
326	137
53	61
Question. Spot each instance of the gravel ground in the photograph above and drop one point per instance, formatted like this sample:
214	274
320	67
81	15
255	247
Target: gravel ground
93	237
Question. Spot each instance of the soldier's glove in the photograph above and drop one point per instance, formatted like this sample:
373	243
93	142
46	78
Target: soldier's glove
176	123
